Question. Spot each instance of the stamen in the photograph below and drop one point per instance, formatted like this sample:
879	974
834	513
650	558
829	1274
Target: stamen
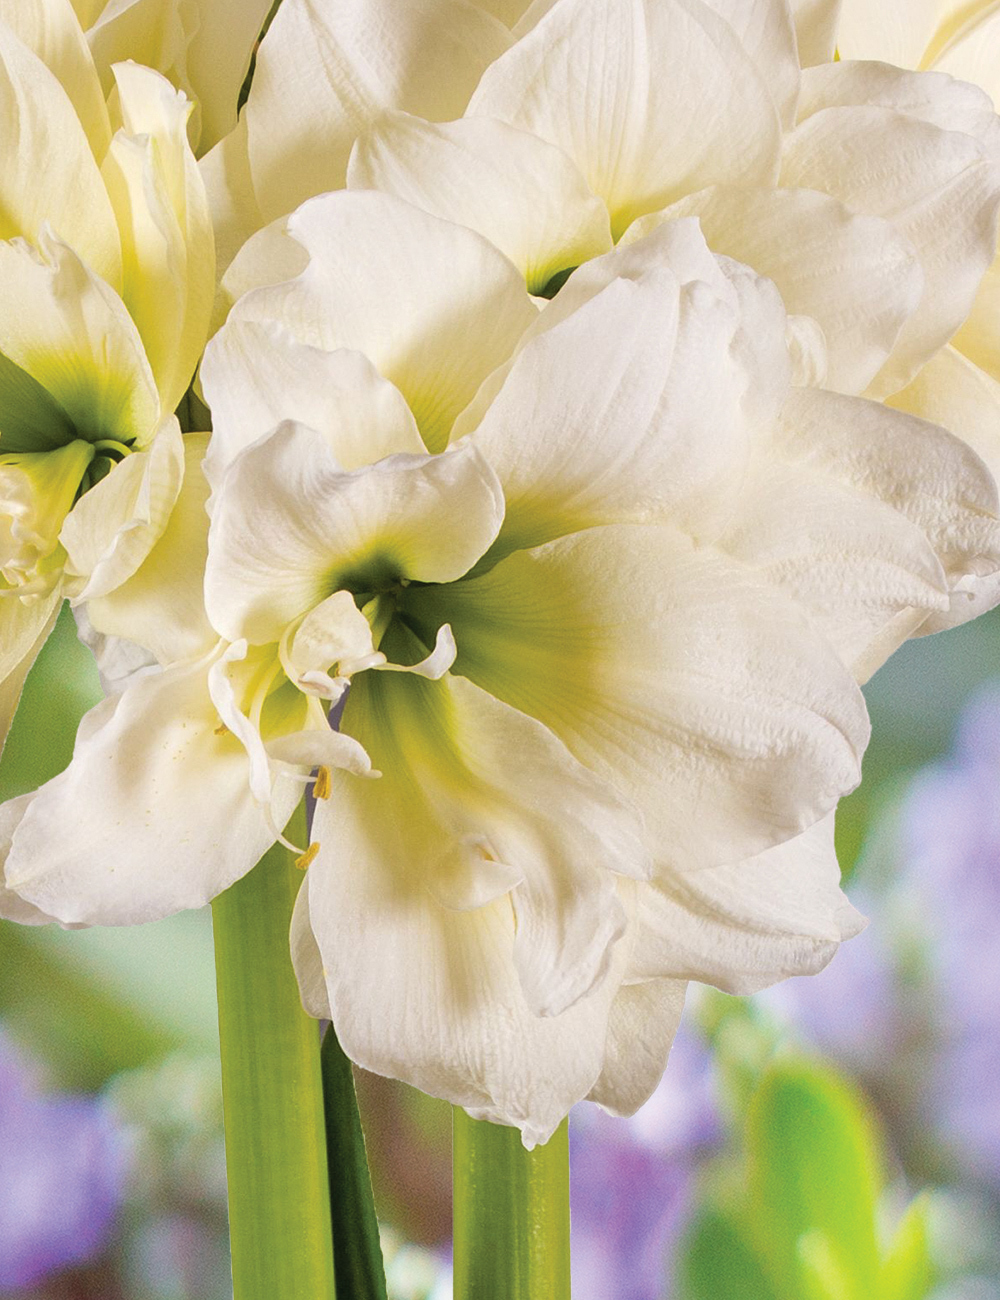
221	730
307	858
323	784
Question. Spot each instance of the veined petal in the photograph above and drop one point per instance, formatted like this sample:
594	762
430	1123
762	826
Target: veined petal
52	30
641	1027
67	193
72	334
939	188
932	478
167	240
767	33
12	907
290	527
162	606
457	305
650	99
525	195
894	31
255	374
746	926
114	526
327	69
674	673
857	276
153	815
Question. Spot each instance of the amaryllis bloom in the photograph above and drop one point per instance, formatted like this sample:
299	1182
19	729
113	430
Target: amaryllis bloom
107	273
63	1163
203	47
585	581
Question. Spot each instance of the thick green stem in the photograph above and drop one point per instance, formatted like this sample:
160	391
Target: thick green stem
279	1204
511	1213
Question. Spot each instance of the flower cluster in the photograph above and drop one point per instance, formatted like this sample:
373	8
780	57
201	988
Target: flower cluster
567	374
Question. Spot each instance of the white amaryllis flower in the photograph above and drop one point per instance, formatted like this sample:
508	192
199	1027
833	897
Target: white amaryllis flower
592	575
106	282
203	47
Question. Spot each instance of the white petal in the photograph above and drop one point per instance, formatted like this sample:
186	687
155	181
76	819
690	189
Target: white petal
938	187
255	374
855	275
24	629
67	192
815	29
746	926
975	54
153	815
526	196
290	527
71	333
225	172
641	1026
167	242
979	337
52	30
12	907
162	606
327	69
457	305
674	673
893	31
218	58
113	527
767	33
650	98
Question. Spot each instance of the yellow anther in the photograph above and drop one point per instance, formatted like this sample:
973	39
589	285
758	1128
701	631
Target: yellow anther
221	730
308	857
322	784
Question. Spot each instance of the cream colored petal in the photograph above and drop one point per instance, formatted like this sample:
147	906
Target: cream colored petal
680	677
904	32
13	908
457	305
979	337
526	196
167	239
767	32
255	374
24	628
71	333
328	69
67	192
650	99
114	526
53	31
162	606
218	58
746	926
856	276
641	1026
815	29
225	172
974	54
290	527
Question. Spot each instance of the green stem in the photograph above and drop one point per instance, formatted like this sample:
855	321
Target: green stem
511	1213
279	1204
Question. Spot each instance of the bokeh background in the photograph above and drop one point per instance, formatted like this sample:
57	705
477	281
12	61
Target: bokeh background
834	1138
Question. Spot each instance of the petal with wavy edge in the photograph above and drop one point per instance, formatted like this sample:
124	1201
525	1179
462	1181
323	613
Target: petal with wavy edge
334	631
52	30
290	528
269	256
650	99
167	241
67	192
747	925
952	391
815	29
24	628
161	606
937	187
675	673
256	374
525	195
12	907
641	1027
930	477
153	815
113	527
328	69
651	367
857	276
457	305
71	333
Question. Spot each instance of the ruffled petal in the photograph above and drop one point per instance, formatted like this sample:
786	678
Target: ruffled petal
290	527
641	1027
328	69
255	374
650	99
749	925
13	907
457	305
674	673
526	196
